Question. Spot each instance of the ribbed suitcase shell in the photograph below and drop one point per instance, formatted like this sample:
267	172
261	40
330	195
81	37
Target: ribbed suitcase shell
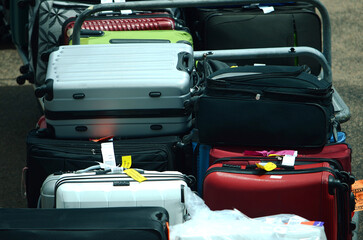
136	22
268	193
89	190
126	90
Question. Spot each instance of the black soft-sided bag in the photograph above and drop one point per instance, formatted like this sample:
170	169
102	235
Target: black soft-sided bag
265	106
242	27
48	155
86	223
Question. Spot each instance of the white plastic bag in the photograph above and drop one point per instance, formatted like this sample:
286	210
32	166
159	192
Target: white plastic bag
205	224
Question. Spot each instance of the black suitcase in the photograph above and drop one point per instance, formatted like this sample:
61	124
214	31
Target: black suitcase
241	27
265	106
47	155
76	224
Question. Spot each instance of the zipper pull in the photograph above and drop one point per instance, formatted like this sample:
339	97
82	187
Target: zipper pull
93	151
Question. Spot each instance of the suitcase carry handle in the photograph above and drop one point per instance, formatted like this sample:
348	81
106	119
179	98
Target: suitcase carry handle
277	52
185	62
140	5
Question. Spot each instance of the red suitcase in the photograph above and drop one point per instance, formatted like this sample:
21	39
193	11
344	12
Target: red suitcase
313	191
140	21
338	151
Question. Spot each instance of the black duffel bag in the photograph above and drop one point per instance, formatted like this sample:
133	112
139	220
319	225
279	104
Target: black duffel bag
265	106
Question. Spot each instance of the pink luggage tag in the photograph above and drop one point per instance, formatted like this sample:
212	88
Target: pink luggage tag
288	156
271	153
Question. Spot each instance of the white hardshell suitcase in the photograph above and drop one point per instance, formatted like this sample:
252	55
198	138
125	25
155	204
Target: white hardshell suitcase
125	90
91	190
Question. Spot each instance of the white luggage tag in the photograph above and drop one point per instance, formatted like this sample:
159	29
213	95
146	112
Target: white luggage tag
108	154
266	9
289	160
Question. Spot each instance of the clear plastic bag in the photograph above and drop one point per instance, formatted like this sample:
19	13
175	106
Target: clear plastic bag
205	224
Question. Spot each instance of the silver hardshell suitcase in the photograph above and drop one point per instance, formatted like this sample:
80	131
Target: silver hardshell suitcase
125	90
91	190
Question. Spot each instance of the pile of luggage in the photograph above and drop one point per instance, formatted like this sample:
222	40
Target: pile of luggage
231	99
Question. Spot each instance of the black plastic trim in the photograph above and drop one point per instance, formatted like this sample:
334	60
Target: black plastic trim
126	113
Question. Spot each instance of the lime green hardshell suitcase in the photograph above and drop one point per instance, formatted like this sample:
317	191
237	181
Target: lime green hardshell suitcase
146	36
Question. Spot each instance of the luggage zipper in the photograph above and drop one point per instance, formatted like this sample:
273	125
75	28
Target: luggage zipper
96	150
266	95
333	162
237	169
253	75
245	80
94	154
305	95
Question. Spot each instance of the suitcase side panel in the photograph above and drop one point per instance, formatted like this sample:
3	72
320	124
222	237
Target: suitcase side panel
120	127
114	37
91	224
128	67
306	195
275	128
93	193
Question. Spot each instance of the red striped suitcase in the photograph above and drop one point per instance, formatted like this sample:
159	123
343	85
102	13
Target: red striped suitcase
313	191
141	21
338	151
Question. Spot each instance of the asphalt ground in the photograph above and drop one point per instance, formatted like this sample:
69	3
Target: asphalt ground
20	109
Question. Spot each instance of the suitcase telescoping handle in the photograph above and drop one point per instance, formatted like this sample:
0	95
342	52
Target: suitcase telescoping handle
141	5
278	52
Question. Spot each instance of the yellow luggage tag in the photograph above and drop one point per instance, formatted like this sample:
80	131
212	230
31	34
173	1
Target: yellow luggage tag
126	162
126	165
274	155
266	166
135	175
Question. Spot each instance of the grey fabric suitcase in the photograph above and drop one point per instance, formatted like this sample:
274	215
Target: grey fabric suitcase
44	30
93	189
122	90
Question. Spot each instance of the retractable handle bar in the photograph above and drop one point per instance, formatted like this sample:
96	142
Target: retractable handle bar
277	52
147	5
